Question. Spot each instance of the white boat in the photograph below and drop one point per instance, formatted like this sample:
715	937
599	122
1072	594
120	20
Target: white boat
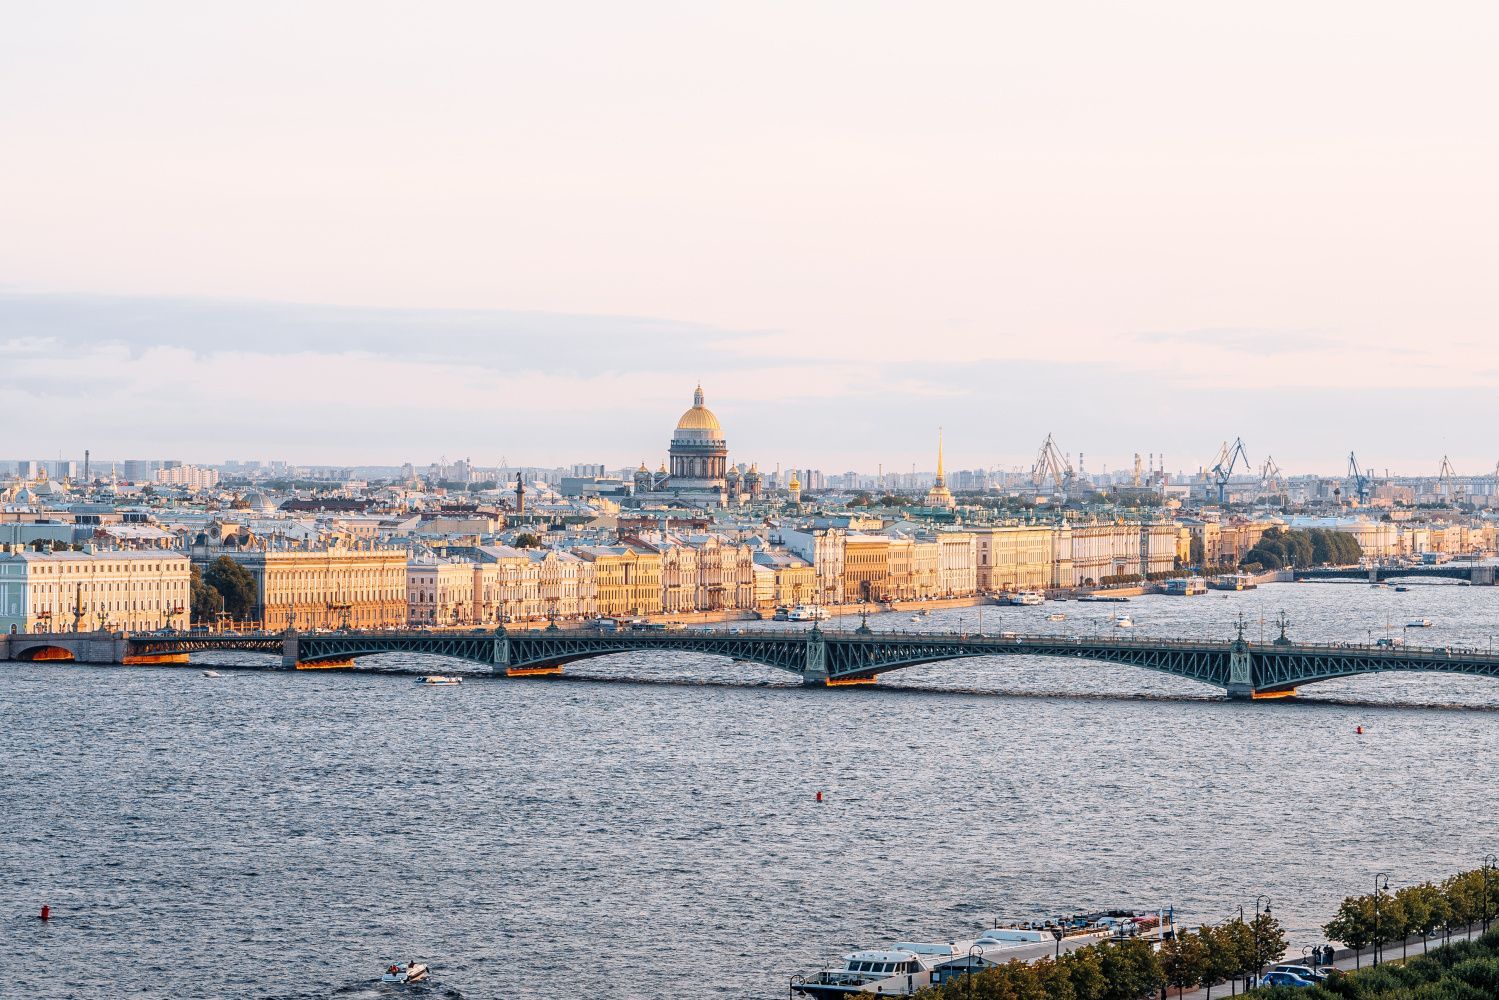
1056	616
404	972
212	673
1027	599
439	679
907	967
1124	621
1419	623
807	613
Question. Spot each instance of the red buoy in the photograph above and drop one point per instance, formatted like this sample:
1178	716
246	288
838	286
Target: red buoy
1359	730
819	796
46	913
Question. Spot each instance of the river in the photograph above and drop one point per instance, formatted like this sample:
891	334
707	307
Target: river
648	827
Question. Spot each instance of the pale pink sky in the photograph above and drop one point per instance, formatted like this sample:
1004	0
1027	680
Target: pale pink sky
1004	218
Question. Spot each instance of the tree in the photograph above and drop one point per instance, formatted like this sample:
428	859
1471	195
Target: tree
1269	939
1131	970
526	540
236	585
1353	925
1227	953
1184	960
206	601
1421	906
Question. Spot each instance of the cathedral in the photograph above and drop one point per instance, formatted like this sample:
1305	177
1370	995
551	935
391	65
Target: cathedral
700	474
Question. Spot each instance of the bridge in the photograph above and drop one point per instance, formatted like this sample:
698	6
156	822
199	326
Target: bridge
1478	574
1242	669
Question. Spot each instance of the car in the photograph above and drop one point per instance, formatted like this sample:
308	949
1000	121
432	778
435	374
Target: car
1285	979
1304	971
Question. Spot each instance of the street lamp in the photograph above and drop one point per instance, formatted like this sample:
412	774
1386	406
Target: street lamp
1378	941
1258	958
1488	866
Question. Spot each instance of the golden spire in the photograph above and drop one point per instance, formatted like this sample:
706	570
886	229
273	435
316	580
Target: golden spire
940	477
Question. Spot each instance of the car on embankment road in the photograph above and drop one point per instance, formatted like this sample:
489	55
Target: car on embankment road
1285	979
1302	971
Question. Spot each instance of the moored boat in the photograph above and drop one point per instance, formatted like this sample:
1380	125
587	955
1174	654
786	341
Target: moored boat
438	679
405	972
1026	599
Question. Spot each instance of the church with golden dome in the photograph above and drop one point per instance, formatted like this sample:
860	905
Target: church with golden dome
698	457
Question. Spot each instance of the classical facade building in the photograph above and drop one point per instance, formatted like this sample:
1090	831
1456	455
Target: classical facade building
1013	557
334	587
88	591
625	580
939	495
439	591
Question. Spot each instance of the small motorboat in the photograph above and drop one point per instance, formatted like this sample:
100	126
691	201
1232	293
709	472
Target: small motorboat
1124	621
1056	616
1419	623
916	618
1401	590
212	673
439	679
404	972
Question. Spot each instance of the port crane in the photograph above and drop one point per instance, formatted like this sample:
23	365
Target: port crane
1360	478
1447	477
1269	477
1052	464
1224	464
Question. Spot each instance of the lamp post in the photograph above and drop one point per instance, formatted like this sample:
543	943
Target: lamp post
1488	868
1378	941
1259	961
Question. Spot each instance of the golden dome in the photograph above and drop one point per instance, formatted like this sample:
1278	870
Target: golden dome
699	418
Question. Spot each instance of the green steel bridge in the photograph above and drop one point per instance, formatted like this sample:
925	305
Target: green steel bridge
1240	668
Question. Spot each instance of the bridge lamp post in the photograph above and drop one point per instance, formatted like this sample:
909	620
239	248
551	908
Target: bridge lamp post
1378	941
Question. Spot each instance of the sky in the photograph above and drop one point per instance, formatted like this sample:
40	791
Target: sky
347	233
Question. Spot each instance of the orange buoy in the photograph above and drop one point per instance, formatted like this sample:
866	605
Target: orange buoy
1359	730
46	913
819	796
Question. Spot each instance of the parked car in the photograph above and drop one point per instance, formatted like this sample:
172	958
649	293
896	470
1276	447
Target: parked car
1285	979
1304	971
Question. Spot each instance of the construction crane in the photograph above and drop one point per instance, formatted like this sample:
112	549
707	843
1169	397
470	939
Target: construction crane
1360	478
1447	476
1224	464
1269	478
1053	465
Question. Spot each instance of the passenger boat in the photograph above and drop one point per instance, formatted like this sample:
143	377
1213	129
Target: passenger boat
1419	623
405	972
907	967
1027	599
1235	581
434	679
1124	621
1188	586
807	613
212	673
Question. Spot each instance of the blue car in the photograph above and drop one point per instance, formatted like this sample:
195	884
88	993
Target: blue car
1284	979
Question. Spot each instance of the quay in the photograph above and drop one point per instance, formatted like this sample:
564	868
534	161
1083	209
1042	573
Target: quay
1240	668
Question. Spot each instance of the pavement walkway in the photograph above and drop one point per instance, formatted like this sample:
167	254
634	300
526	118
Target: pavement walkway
1346	959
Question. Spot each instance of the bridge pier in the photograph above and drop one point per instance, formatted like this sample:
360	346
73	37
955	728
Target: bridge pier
815	668
289	647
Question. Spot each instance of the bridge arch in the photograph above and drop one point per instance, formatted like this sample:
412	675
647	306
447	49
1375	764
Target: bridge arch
40	652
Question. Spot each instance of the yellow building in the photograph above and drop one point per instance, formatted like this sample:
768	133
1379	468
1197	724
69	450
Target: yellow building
88	591
1013	558
440	592
866	567
363	587
626	581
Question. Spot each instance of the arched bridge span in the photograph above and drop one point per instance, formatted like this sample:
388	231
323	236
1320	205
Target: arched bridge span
1240	668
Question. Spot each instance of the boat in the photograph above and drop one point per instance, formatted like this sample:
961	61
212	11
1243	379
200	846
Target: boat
212	673
782	614
807	613
1401	590
1419	623
1056	616
435	679
1235	581
916	618
903	968
1187	586
1124	621
1026	599
405	972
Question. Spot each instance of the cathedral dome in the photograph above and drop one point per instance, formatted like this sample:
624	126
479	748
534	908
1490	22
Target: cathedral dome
698	423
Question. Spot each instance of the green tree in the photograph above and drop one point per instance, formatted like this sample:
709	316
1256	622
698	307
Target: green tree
1422	905
1132	970
1227	954
235	584
1184	960
1269	939
1084	970
1353	925
526	540
206	602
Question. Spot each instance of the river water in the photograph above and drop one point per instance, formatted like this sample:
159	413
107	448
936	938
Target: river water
649	827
